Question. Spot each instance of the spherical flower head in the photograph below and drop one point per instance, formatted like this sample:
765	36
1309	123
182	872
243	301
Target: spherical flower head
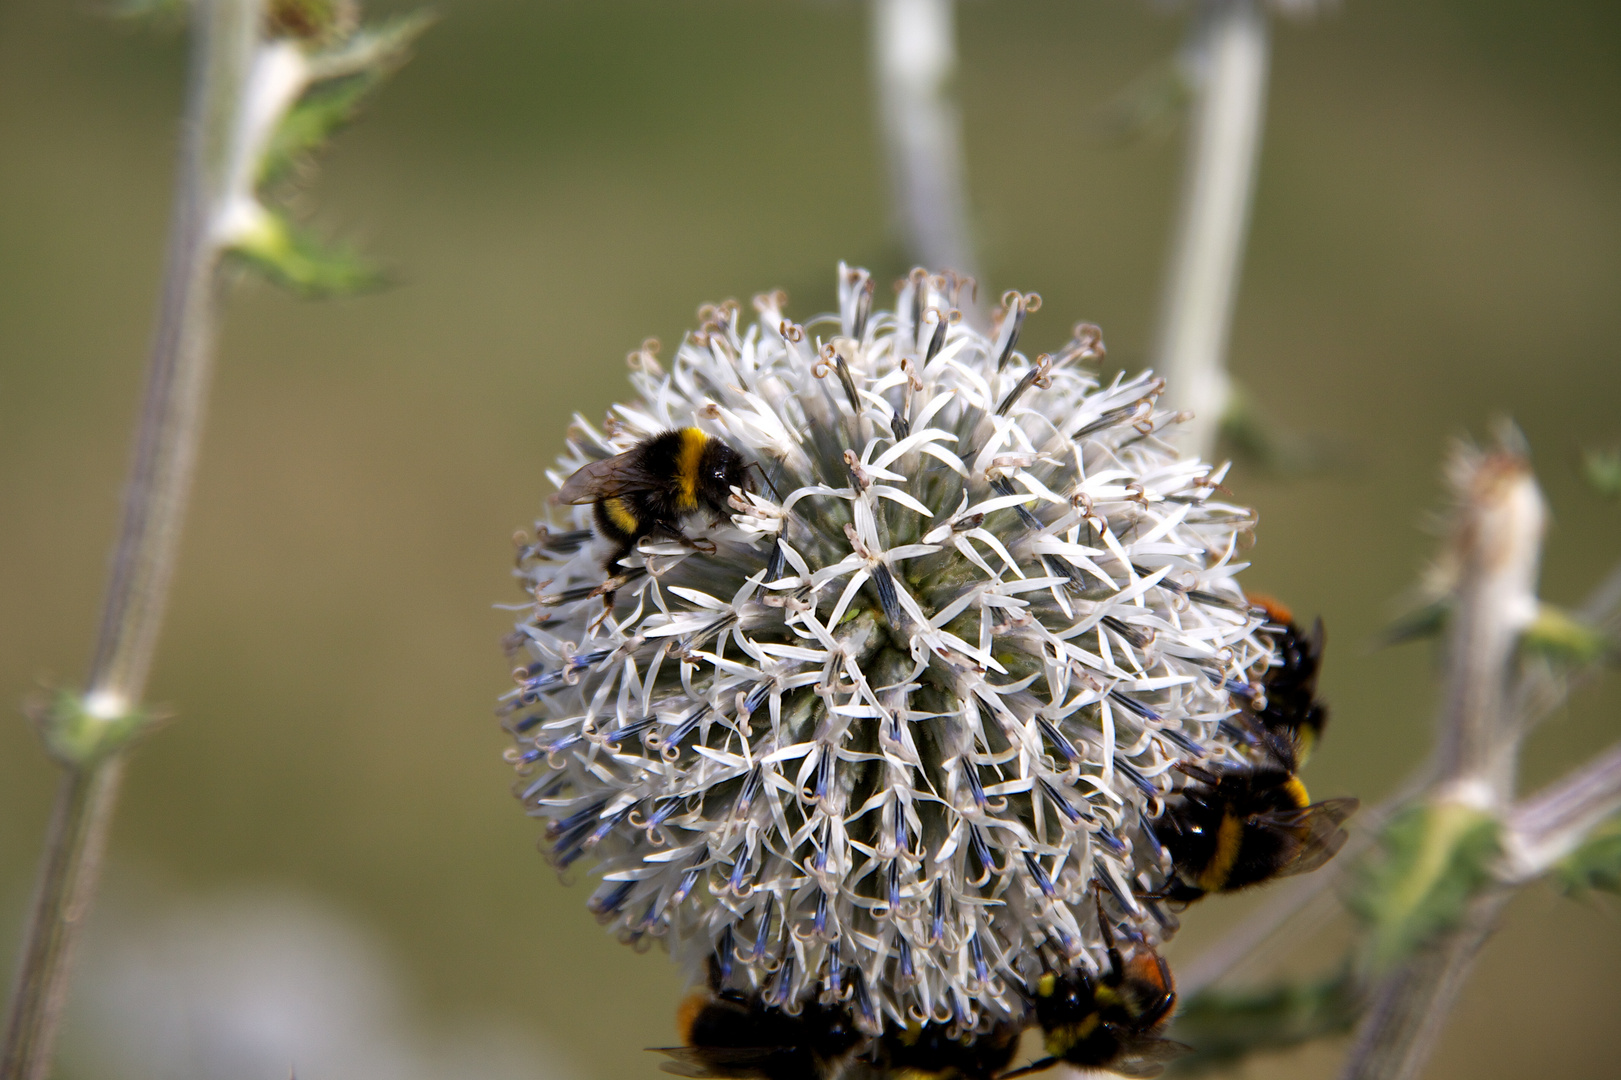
894	729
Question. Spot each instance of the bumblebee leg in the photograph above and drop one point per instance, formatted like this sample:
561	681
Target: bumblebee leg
702	546
1117	966
617	576
1188	768
1033	1067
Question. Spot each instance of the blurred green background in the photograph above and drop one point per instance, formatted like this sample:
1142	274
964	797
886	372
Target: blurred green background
1436	240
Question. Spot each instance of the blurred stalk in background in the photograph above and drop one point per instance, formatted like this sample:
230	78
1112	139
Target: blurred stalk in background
249	112
914	50
1227	59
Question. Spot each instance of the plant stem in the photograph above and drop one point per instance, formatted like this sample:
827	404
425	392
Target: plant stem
225	33
914	58
74	843
1224	142
1497	539
1548	826
1409	1009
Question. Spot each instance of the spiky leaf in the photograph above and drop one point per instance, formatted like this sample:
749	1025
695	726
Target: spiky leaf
1435	858
79	730
1562	638
1595	865
293	258
1223	1027
1603	471
342	77
1422	622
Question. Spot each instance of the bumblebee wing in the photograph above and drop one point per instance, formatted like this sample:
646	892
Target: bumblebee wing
601	479
1323	836
1147	1056
717	1061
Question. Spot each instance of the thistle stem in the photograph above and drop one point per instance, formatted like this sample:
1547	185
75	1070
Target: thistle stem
914	58
225	33
74	843
1196	312
1498	545
1548	826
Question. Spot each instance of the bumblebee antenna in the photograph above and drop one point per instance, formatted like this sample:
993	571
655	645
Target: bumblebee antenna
763	476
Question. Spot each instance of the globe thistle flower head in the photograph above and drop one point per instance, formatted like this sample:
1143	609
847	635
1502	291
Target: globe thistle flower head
894	730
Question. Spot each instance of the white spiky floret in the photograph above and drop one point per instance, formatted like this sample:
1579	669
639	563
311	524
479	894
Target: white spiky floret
884	734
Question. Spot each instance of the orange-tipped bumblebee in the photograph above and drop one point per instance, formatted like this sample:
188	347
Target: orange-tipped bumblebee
1241	824
1110	1021
1292	710
650	488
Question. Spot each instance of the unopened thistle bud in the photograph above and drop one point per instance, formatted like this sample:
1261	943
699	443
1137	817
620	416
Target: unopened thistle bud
882	730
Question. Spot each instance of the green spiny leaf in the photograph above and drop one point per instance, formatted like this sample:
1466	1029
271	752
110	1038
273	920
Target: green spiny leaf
1223	1027
296	260
1603	471
1422	622
342	76
77	734
1595	865
307	126
1151	105
1255	439
1436	858
1564	639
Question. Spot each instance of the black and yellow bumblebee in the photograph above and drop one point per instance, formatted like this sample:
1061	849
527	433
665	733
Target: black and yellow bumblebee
1244	823
929	1052
1292	710
737	1036
1110	1021
650	488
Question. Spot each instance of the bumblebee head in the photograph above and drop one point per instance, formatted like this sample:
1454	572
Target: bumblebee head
720	469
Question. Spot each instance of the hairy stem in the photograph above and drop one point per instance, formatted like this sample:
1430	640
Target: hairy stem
1497	544
1408	1012
914	58
1552	823
1196	313
74	843
224	36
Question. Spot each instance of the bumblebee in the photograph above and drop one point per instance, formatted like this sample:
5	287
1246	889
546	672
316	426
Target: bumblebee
734	1035
1292	710
1110	1021
648	489
1242	825
928	1052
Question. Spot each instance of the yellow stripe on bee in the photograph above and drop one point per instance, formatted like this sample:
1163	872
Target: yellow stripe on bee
1047	984
687	460
620	514
1297	792
1229	838
1305	742
1060	1039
